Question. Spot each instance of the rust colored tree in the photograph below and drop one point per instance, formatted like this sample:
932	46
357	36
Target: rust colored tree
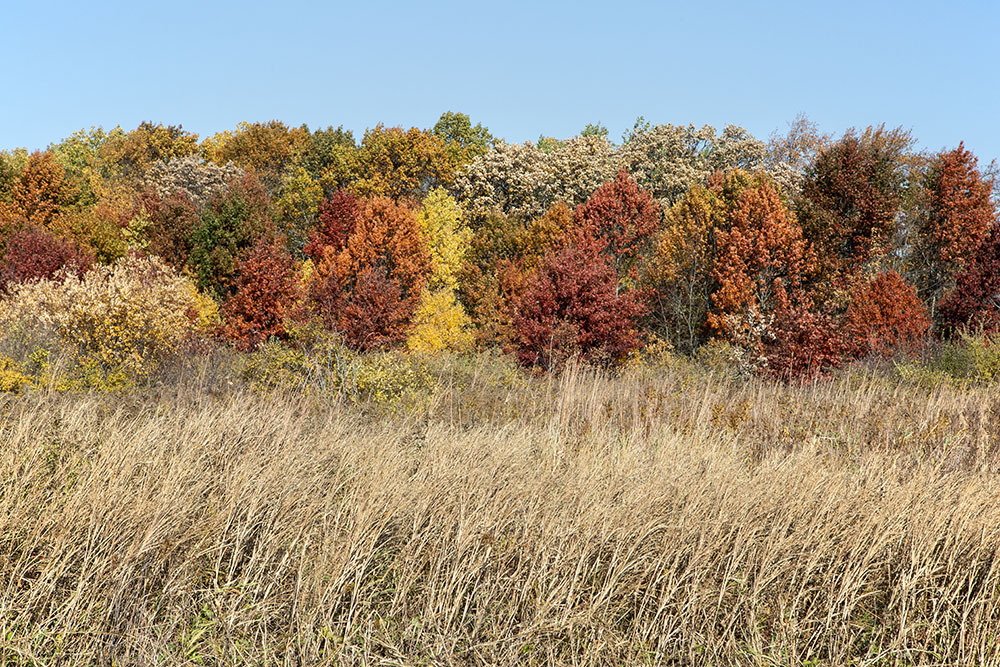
369	289
958	216
38	193
885	315
337	218
571	305
620	218
264	294
850	197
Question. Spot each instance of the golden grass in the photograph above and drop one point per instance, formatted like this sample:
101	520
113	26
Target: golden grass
655	518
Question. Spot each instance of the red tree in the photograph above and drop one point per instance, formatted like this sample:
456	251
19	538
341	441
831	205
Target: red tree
852	193
265	291
620	219
885	315
975	301
370	288
337	218
571	305
34	252
958	217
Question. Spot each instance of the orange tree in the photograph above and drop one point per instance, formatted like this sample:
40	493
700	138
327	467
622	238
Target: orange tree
369	289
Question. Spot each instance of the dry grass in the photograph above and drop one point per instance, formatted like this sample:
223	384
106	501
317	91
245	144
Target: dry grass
657	518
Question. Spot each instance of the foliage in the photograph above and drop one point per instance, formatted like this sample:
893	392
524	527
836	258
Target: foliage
446	237
329	149
369	289
38	192
571	306
129	155
397	163
34	252
620	219
264	293
679	273
337	218
523	180
760	266
544	234
440	323
463	140
851	195
957	217
172	223
885	315
269	150
975	302
191	176
666	160
297	207
234	221
120	322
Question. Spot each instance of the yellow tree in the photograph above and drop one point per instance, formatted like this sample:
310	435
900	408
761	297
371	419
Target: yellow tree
440	321
397	163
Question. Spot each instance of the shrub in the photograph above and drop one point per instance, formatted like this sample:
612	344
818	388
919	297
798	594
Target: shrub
974	303
119	322
885	315
571	305
33	253
264	293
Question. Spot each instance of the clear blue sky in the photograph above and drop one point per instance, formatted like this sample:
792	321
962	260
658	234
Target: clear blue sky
521	68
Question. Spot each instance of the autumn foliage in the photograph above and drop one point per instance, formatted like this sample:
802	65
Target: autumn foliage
885	315
788	258
33	253
571	306
264	295
369	289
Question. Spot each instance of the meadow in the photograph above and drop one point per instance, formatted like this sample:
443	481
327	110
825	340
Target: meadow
459	510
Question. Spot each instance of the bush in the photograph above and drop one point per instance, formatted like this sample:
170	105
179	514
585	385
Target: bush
33	253
118	322
265	292
571	306
885	315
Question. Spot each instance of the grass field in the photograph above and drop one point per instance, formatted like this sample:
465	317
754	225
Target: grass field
657	517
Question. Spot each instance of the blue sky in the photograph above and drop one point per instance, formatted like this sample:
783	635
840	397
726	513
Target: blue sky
521	68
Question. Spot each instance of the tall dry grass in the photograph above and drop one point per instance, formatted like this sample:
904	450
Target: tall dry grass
656	518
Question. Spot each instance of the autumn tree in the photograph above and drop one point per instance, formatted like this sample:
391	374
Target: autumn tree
957	216
172	222
440	321
851	196
233	222
297	207
398	163
492	276
270	149
571	306
975	301
263	293
760	269
129	155
191	175
666	160
33	252
679	274
885	315
337	217
547	233
621	219
370	289
332	148
38	193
